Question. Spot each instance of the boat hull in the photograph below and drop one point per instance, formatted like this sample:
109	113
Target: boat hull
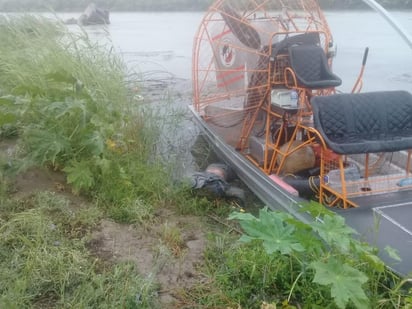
380	220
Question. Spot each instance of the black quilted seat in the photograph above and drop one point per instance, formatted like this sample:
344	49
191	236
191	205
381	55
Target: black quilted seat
311	67
365	122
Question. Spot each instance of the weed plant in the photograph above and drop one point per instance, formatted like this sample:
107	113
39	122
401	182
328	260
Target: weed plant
70	102
280	261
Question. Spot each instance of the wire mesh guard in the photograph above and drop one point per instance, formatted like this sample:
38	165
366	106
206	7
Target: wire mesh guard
237	40
364	174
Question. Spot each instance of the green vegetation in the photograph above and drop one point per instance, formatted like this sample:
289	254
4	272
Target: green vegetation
167	5
70	104
282	262
68	101
44	262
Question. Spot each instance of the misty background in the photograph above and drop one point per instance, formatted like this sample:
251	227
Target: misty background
166	5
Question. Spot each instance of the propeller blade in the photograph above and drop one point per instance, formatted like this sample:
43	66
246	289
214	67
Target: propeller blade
241	28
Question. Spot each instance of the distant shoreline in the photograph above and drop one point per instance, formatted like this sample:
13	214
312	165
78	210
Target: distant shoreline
187	11
34	6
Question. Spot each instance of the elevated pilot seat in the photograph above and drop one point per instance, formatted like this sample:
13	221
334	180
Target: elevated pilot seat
311	68
309	71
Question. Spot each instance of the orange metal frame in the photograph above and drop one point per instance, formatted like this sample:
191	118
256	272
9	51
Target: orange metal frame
277	74
280	74
342	194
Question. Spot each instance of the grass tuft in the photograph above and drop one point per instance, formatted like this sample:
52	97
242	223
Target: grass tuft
44	261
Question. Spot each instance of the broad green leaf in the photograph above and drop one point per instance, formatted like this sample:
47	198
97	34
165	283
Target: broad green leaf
368	254
393	253
74	109
345	281
277	236
105	166
46	145
334	231
94	143
79	175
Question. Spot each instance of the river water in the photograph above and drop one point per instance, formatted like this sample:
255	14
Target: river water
159	47
154	42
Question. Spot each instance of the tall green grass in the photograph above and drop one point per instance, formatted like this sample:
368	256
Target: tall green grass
71	102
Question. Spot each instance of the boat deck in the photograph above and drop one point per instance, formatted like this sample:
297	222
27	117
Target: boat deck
384	220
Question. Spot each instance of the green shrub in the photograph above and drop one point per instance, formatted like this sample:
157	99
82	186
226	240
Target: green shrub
282	261
70	102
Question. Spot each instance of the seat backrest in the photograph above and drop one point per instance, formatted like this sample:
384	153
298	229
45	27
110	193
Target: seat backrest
311	67
308	38
365	122
306	61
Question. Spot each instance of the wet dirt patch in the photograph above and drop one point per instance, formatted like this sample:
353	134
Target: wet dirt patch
35	179
38	179
157	258
167	251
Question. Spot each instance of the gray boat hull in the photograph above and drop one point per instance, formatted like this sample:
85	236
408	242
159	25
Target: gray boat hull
381	220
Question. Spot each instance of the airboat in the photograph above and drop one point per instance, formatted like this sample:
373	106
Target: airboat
265	98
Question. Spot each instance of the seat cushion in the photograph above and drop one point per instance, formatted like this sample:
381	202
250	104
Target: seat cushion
366	122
